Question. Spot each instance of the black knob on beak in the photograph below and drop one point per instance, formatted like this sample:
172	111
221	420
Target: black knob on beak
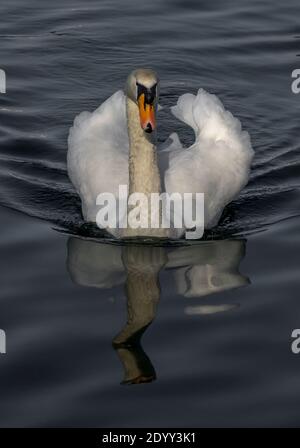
149	97
148	128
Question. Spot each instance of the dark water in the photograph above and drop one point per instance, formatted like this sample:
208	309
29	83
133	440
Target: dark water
218	352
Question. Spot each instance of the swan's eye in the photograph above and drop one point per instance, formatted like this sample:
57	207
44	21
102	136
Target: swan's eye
140	89
153	89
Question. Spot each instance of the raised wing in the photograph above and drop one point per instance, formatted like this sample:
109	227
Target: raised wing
98	152
218	163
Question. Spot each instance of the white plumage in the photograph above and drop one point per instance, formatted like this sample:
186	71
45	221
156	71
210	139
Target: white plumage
98	152
217	164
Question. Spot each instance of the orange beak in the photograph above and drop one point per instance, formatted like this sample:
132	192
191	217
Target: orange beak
147	114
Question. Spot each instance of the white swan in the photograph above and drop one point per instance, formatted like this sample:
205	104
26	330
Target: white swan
116	145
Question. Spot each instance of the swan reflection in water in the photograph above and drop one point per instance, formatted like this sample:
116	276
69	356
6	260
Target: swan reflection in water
198	271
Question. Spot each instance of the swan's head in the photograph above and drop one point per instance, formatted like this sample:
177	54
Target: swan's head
142	88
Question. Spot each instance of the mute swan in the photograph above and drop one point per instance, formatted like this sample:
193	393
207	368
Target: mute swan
116	145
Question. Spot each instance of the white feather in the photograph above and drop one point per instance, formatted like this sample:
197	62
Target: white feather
98	153
217	164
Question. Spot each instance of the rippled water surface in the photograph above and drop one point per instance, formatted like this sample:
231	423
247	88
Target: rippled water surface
221	312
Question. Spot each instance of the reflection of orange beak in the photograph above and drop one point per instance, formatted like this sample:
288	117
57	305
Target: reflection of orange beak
147	114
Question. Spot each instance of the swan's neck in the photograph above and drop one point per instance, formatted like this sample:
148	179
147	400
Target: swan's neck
144	174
